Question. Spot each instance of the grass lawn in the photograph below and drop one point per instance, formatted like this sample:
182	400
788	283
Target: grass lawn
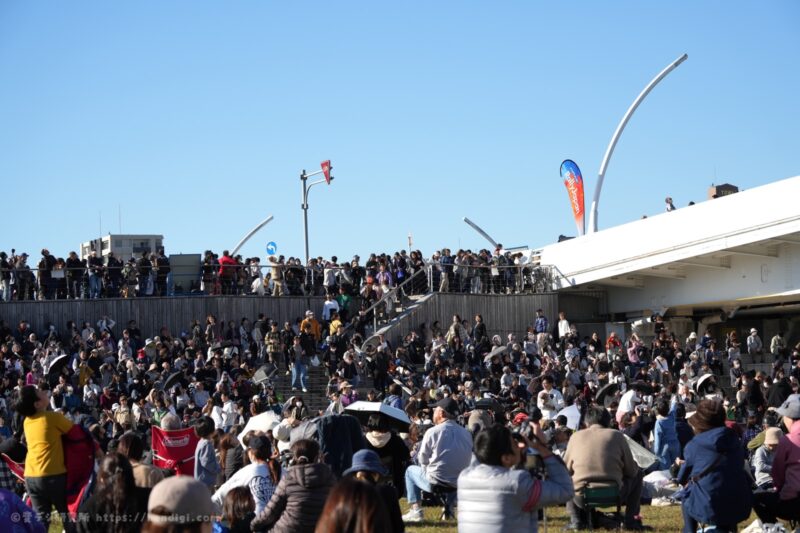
661	519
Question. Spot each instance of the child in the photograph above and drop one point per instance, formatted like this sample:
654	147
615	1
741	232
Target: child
206	465
237	511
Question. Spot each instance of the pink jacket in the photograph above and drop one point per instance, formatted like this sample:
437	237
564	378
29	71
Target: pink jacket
786	465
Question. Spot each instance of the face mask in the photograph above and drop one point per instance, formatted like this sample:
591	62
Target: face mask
299	404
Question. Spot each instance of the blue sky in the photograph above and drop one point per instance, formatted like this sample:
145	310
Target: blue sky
194	119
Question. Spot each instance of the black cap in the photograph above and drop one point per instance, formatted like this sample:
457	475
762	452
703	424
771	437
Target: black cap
449	405
257	443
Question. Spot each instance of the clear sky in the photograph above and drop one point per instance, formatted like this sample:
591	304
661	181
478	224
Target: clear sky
194	118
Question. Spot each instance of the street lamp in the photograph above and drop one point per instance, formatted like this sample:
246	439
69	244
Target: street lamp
326	170
614	138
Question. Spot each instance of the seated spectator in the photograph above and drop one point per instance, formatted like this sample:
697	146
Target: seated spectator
495	495
763	458
132	447
367	467
719	493
115	505
600	454
179	504
354	507
16	516
445	451
390	448
785	501
259	476
237	511
300	496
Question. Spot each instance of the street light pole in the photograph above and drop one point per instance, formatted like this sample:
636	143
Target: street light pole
614	138
306	188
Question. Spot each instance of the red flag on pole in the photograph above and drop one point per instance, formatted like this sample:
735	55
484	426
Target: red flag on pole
326	169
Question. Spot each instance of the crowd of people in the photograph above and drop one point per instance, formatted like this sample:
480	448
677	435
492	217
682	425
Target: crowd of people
491	429
150	274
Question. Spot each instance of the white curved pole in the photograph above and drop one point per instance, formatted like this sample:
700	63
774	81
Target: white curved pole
251	233
480	230
610	150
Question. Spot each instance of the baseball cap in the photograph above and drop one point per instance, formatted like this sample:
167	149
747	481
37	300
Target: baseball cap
791	407
449	405
257	443
773	436
180	500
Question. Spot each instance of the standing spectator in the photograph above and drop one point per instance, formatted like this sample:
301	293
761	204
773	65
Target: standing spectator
45	472
5	277
46	265
666	446
669	205
541	327
227	273
95	265
563	330
143	269
162	273
719	494
389	446
777	345
300	496
206	466
299	361
754	346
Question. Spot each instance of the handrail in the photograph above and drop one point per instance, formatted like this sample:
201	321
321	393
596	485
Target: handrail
390	294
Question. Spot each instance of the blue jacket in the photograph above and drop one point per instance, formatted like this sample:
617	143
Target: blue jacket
721	496
667	446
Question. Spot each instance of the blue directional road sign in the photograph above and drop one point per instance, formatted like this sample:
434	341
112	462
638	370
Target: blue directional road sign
272	248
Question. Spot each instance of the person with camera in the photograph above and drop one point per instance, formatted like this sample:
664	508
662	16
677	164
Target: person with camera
497	494
549	400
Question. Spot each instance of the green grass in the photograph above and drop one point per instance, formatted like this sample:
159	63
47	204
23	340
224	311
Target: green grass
661	519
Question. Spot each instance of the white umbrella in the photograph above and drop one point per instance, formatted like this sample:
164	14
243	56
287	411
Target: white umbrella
397	418
573	415
263	422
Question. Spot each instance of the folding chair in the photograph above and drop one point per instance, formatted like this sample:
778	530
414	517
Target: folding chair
602	495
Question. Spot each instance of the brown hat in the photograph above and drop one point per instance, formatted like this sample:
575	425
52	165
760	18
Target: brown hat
709	415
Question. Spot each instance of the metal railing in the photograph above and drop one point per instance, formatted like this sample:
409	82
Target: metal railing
298	279
384	308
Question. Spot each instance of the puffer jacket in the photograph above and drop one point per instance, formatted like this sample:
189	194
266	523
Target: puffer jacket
298	501
493	499
721	496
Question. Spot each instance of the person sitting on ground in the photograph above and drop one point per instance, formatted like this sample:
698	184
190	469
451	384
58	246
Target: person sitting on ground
260	476
367	467
445	451
784	502
237	511
298	500
763	458
353	507
115	506
598	453
131	446
179	504
391	449
495	495
719	490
